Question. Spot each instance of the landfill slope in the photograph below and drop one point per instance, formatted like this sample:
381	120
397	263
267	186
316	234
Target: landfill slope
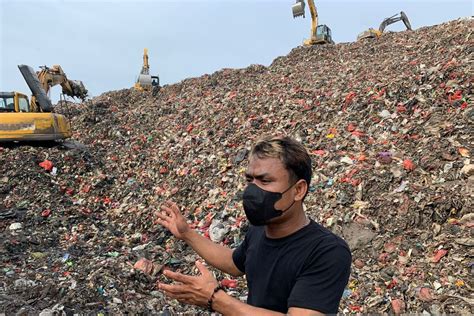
388	124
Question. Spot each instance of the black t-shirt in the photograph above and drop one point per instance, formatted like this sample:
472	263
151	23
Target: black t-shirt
307	269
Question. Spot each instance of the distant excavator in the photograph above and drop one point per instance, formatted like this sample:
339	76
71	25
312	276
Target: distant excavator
372	33
145	81
21	120
320	34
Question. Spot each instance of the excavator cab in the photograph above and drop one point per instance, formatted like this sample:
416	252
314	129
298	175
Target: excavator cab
323	34
155	81
7	102
13	102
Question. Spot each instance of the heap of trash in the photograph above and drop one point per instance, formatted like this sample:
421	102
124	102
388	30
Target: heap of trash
389	124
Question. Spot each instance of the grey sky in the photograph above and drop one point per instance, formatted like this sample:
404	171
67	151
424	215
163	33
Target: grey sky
101	42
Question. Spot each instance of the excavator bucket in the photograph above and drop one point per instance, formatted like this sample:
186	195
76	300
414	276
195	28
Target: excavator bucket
35	86
78	89
298	9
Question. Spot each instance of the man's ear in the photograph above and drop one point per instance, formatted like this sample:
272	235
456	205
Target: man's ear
301	189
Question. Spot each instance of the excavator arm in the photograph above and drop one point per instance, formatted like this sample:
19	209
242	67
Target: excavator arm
146	66
55	75
393	19
47	78
372	33
39	99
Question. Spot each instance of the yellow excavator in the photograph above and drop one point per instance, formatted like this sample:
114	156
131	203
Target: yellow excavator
21	120
145	81
320	34
373	33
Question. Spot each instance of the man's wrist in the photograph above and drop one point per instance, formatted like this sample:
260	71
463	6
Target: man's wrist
187	235
218	288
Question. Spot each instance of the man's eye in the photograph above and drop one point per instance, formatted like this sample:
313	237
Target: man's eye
248	179
265	181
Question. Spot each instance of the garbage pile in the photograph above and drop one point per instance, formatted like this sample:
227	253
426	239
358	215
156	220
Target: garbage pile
389	126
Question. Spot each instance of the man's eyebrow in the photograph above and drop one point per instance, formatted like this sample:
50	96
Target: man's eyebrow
257	176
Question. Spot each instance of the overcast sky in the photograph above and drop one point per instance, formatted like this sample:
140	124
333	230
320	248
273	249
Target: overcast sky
101	42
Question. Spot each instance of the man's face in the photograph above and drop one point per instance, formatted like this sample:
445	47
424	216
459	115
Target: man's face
270	174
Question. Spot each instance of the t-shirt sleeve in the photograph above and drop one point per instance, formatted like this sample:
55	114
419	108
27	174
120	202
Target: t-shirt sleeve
240	253
321	283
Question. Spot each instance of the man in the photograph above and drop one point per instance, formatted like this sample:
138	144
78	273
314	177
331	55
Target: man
292	264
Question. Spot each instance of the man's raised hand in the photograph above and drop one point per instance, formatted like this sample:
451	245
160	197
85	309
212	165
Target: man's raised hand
188	289
171	218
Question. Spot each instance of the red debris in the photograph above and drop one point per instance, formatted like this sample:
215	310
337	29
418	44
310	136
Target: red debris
144	265
229	283
46	165
408	165
425	294
398	306
438	255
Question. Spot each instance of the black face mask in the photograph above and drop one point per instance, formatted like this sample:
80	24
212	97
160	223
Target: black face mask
259	205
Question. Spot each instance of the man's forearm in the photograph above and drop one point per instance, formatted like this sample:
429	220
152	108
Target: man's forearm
216	255
229	306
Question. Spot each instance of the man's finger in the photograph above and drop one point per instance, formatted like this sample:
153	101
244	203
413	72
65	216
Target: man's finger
173	206
202	268
166	210
162	223
183	298
163	220
169	214
169	203
173	289
175	209
162	216
183	278
186	298
170	295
